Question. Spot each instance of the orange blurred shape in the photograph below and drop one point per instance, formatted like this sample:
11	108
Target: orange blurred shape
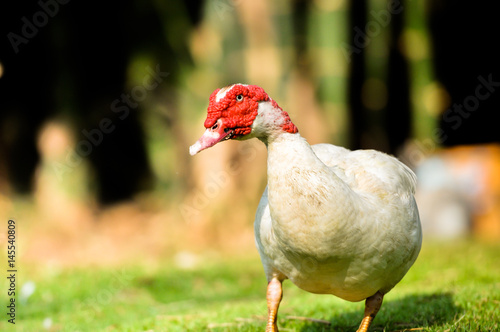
476	170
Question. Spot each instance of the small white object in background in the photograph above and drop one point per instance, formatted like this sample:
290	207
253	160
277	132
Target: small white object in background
47	323
459	192
444	209
186	260
26	291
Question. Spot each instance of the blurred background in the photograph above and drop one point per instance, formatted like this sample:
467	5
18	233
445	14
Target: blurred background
100	101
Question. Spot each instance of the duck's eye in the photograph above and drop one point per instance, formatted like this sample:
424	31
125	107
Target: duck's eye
239	97
215	126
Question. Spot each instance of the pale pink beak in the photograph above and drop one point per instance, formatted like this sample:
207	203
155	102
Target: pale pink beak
217	133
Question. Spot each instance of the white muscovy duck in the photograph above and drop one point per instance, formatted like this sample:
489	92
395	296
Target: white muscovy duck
331	220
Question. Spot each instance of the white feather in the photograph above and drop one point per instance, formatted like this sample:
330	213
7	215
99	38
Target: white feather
223	91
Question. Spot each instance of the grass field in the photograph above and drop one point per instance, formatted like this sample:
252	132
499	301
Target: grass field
452	287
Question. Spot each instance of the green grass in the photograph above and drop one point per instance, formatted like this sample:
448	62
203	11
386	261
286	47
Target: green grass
452	287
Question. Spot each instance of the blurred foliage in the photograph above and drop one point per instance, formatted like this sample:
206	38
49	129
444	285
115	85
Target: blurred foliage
295	49
101	105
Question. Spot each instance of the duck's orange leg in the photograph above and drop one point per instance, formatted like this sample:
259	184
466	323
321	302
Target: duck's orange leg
372	306
274	295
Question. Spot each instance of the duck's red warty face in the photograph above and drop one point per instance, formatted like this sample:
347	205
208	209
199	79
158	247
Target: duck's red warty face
231	113
237	105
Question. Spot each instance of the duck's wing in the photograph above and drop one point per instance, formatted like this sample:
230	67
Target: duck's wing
368	170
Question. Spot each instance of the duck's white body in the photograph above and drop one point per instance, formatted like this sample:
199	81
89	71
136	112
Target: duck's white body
336	221
333	221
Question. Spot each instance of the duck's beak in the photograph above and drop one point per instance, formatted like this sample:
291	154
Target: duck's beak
217	133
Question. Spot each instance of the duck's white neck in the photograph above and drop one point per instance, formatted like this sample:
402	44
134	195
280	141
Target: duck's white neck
292	165
291	150
271	122
286	148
